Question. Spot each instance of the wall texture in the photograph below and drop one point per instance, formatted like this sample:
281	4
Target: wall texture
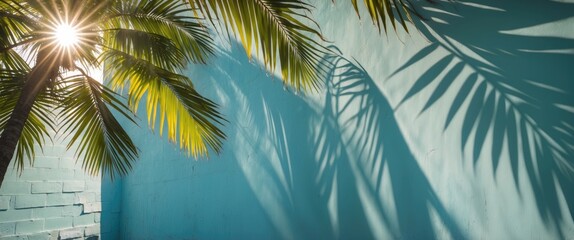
52	199
462	129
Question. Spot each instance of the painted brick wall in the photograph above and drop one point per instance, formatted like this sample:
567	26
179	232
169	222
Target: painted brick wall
52	199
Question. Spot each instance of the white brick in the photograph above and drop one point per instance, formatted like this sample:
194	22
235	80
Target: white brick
14	188
55	235
71	234
60	199
47	174
68	162
92	230
4	203
92	207
7	229
46	187
30	201
95	185
97	217
46	162
86	197
80	174
30	226
47	212
55	150
23	237
72	211
58	223
83	220
74	186
15	215
40	236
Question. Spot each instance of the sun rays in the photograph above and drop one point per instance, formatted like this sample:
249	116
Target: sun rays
66	35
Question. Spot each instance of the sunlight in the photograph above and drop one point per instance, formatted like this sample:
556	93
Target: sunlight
66	35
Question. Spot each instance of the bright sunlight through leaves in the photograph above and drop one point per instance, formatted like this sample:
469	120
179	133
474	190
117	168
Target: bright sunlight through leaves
66	35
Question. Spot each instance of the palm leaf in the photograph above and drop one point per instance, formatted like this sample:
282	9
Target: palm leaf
381	10
147	46
279	31
191	119
15	26
40	119
101	141
167	18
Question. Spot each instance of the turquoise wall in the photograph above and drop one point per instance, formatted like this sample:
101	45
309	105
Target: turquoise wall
462	129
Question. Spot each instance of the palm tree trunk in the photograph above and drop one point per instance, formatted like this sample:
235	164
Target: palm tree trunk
35	83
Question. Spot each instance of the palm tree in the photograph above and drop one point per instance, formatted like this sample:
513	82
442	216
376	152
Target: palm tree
47	74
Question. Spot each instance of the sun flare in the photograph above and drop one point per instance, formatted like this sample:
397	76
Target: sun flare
66	35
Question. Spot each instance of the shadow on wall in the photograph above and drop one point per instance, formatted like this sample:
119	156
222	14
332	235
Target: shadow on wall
518	94
361	145
339	169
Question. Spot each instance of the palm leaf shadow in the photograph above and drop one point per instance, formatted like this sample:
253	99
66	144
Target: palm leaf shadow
518	90
360	111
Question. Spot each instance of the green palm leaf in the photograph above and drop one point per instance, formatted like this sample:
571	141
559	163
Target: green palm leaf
381	10
35	131
191	119
147	46
279	31
166	18
102	142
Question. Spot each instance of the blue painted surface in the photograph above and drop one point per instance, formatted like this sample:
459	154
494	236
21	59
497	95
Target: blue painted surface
462	130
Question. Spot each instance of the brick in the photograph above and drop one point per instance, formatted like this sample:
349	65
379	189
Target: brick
71	234
14	238
15	188
40	236
92	207
4	203
55	235
68	163
7	229
94	178
46	187
97	217
47	174
58	223
30	226
99	196
30	201
79	175
55	150
94	186
72	211
15	215
47	212
74	186
86	197
46	162
92	230
60	199
83	220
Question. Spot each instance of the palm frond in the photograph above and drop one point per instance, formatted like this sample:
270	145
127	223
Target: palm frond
10	60
147	46
278	30
15	26
381	10
101	141
191	119
40	119
167	18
